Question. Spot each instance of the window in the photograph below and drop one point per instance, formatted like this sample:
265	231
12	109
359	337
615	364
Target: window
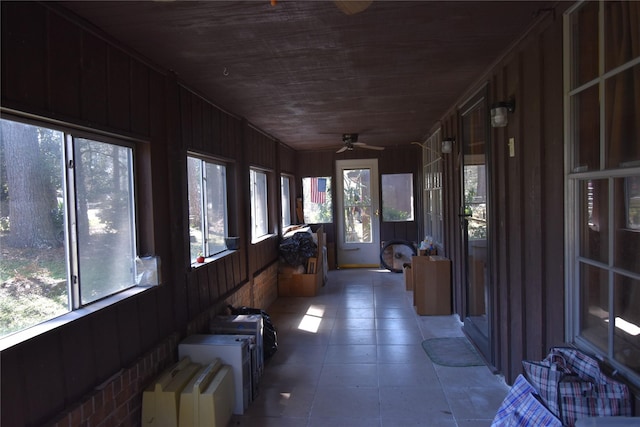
285	197
316	192
259	206
397	197
208	225
432	166
603	129
67	222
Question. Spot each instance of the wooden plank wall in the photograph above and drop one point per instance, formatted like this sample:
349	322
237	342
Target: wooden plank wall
451	209
527	204
55	68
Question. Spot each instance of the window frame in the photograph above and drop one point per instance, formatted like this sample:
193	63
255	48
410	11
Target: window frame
204	162
328	198
410	195
432	192
139	235
255	238
575	176
286	207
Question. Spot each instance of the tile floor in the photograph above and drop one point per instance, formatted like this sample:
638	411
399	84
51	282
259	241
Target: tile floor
352	356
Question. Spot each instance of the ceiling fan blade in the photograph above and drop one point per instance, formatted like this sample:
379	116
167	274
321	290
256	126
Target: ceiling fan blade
345	148
368	147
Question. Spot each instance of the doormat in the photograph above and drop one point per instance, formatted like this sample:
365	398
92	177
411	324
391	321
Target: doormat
455	351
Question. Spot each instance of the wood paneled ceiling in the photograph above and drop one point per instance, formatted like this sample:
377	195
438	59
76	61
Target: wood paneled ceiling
305	72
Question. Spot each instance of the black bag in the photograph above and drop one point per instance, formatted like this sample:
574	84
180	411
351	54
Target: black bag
269	334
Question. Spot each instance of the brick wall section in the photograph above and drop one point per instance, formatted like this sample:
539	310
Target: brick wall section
259	293
118	401
265	287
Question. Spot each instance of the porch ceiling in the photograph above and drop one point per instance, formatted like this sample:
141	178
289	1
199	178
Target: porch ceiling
306	72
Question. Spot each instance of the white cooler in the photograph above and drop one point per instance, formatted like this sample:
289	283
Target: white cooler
242	324
233	350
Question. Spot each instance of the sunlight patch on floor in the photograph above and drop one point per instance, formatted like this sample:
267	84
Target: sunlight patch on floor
312	319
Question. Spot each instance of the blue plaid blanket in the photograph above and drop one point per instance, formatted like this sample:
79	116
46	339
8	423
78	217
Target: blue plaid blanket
522	408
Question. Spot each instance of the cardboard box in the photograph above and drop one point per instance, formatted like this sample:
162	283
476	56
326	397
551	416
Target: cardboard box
408	277
431	285
304	285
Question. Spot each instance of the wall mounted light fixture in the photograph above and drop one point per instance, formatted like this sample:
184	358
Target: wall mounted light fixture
499	112
447	144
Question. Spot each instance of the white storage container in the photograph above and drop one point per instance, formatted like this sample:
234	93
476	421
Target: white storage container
233	350
242	324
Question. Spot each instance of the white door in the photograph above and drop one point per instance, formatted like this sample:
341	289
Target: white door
358	209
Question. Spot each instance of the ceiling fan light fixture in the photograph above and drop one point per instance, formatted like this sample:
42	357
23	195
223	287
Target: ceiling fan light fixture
350	141
349	138
351	7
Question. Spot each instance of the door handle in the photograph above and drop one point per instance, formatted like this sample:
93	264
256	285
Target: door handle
377	212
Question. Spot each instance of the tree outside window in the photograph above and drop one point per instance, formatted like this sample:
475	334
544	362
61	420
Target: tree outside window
316	200
67	229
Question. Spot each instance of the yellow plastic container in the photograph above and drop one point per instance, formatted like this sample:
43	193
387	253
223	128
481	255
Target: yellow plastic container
161	400
208	399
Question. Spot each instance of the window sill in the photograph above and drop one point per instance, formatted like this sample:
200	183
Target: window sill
262	238
64	319
213	258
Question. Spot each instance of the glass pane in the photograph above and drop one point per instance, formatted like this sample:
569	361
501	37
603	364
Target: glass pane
626	338
584	44
33	264
586	130
286	201
357	205
475	200
632	202
106	234
594	315
474	223
622	115
437	232
316	199
621	23
593	221
428	213
259	208
627	223
397	197
215	184
194	179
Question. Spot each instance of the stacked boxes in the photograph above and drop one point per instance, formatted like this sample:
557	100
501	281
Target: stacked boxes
233	350
292	284
244	324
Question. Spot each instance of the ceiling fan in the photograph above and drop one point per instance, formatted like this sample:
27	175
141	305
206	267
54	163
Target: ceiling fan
351	7
351	141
